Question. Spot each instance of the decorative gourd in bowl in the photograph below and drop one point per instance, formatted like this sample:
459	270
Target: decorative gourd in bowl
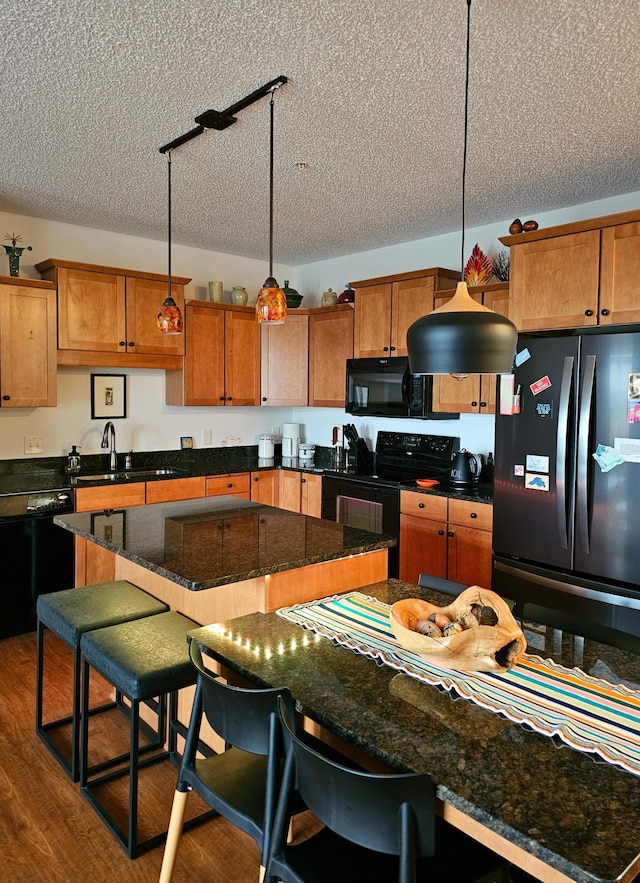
476	632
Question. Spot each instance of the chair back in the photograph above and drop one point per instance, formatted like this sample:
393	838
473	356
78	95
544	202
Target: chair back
394	814
244	718
581	627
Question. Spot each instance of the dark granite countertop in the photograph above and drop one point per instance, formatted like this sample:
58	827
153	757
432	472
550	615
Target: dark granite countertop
579	816
44	474
219	540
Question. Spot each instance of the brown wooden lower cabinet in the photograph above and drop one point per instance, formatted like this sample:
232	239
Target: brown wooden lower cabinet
264	487
445	537
301	492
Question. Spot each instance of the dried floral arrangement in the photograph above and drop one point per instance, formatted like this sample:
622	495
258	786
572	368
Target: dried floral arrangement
478	269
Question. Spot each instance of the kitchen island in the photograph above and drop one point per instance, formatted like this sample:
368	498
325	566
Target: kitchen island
551	809
222	557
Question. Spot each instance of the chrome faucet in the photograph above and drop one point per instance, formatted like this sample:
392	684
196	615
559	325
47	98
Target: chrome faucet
109	441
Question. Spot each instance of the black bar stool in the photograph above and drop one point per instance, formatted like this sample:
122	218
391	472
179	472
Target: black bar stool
69	614
144	660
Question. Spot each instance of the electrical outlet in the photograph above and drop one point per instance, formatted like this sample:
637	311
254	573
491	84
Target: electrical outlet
34	444
206	437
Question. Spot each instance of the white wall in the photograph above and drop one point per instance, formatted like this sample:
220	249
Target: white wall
152	425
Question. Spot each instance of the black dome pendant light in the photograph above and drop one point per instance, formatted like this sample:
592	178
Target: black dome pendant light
462	337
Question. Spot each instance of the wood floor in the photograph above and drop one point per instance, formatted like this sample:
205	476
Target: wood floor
48	831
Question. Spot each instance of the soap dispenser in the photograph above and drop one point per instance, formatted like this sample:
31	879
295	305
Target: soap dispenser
73	459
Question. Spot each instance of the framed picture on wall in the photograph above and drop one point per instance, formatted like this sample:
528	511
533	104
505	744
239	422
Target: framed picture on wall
108	396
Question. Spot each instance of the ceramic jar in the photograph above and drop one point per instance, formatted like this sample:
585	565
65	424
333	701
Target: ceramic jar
239	295
329	298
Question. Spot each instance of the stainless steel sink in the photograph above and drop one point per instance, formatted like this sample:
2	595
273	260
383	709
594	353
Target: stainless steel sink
127	475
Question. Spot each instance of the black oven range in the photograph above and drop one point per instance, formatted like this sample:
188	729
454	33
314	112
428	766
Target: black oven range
371	501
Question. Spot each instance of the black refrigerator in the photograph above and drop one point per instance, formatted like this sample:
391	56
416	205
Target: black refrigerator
567	475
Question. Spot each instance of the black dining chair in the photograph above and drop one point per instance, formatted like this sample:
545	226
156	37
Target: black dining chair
378	828
581	627
242	782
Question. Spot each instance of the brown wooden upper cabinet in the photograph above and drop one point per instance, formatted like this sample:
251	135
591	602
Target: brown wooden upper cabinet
475	394
578	274
387	306
28	377
284	361
330	345
108	316
222	361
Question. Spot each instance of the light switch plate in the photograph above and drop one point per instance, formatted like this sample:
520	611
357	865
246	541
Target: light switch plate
206	437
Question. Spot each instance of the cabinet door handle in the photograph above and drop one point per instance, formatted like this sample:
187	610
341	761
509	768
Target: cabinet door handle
473	515
385	349
303	480
483	404
393	349
255	478
229	398
420	505
588	312
440	533
450	533
604	312
132	343
121	343
474	404
264	398
221	398
6	398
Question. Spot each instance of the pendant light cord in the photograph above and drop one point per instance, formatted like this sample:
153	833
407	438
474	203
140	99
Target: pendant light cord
271	186
466	131
169	219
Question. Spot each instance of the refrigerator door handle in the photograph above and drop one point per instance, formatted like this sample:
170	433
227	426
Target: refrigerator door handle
562	439
584	422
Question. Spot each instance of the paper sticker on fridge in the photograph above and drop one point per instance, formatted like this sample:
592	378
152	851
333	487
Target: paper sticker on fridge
536	482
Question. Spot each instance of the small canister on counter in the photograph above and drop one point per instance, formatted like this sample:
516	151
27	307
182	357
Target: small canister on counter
265	447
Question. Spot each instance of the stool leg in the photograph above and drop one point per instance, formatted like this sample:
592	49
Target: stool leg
174	834
39	674
133	778
84	726
76	715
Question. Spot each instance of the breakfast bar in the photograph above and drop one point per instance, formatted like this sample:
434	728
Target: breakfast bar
557	812
222	557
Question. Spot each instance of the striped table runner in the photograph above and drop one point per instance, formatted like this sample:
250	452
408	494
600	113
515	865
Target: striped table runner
586	713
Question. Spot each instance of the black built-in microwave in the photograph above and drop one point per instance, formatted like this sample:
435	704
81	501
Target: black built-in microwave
386	387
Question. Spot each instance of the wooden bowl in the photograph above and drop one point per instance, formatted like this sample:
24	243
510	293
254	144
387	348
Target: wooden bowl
483	647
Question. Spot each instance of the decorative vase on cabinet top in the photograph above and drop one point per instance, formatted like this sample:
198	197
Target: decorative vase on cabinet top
329	298
239	295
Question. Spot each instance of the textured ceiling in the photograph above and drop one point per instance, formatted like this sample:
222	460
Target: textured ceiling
90	89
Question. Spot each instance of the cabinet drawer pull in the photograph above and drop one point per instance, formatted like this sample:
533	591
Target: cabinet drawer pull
420	505
473	515
604	312
230	484
588	312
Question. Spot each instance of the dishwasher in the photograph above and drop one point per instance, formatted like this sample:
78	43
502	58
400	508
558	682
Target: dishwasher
37	556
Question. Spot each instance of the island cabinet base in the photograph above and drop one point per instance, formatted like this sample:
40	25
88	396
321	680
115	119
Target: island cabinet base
262	594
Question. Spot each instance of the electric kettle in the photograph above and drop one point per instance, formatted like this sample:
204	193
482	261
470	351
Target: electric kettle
465	468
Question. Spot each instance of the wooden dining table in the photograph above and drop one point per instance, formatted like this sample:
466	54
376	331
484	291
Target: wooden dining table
558	813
